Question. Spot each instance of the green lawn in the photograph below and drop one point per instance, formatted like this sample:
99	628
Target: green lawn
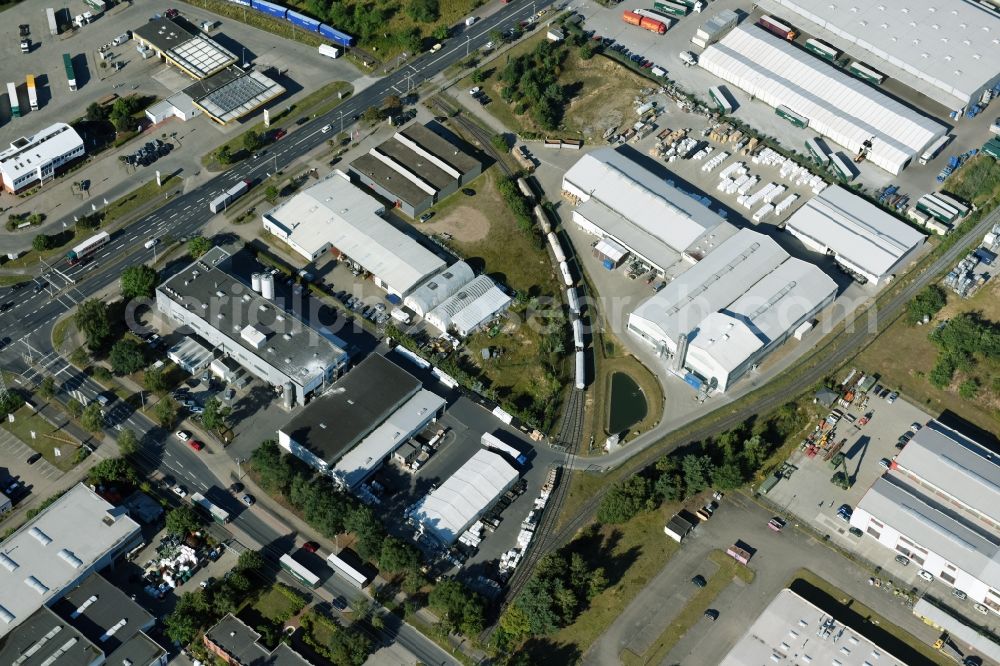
978	181
137	198
8	280
47	438
275	605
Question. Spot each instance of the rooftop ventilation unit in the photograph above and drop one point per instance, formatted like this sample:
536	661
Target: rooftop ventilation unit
40	536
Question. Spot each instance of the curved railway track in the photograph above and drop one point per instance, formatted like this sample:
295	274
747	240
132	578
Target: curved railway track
481	135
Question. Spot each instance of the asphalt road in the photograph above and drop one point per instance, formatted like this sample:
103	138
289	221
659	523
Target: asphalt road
27	325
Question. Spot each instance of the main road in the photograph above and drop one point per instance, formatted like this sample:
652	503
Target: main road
27	325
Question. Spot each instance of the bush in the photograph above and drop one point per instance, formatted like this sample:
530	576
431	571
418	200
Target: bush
41	243
926	304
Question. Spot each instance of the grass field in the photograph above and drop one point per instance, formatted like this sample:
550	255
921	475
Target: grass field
977	182
137	198
8	280
275	605
26	422
904	356
727	570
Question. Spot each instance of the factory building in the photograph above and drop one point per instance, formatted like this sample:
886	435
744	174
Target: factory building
864	239
336	216
470	307
365	416
416	169
716	321
946	50
618	199
256	332
939	506
197	56
37	159
839	106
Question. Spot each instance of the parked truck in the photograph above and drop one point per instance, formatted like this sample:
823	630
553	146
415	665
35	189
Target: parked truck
222	201
32	93
15	105
776	27
329	51
50	13
70	74
644	22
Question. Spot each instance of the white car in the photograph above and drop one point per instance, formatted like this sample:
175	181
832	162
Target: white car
182	435
915	427
151	242
981	609
179	491
475	91
926	575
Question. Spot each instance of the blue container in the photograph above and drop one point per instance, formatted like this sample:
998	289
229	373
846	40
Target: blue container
304	22
336	36
692	381
394	299
269	8
608	264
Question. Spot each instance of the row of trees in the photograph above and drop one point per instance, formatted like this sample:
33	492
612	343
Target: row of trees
118	114
345	646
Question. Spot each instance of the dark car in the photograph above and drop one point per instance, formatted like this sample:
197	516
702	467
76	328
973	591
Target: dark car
236	488
33	458
711	614
311	546
6	306
699	581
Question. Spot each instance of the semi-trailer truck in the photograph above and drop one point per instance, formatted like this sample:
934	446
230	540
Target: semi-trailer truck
15	105
222	201
644	22
50	13
32	93
776	27
70	74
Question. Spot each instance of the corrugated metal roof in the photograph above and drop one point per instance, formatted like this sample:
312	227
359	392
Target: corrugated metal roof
470	306
837	105
439	287
857	231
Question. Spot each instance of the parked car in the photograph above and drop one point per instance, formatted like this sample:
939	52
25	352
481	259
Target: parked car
699	581
926	575
33	458
885	463
892	397
180	491
236	488
902	559
248	500
777	524
981	609
195	444
959	594
856	531
915	427
182	435
711	614
311	546
845	511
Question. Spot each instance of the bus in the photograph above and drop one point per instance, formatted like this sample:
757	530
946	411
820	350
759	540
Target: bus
792	117
822	49
933	150
491	442
15	105
216	513
720	98
865	72
817	151
299	572
87	248
842	168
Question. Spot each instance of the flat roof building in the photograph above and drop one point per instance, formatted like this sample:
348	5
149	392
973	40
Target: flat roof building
469	307
336	216
78	534
447	511
439	288
236	644
38	158
198	56
233	93
792	630
45	639
619	199
862	237
190	355
835	104
946	50
415	169
723	315
259	334
939	506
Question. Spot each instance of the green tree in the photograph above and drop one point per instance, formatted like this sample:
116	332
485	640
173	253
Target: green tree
198	246
224	155
113	471
478	75
214	416
139	280
252	140
155	380
926	304
91	318
392	104
969	388
128	443
271	194
191	612
499	143
182	521
41	243
47	388
626	499
250	560
127	356
459	607
440	32
697	472
96	113
423	11
398	556
348	646
166	412
586	51
74	408
372	115
496	37
93	418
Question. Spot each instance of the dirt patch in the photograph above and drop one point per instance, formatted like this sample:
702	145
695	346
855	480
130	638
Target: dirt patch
465	223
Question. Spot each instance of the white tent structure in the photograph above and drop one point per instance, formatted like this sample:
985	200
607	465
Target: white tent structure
448	511
473	304
837	105
439	288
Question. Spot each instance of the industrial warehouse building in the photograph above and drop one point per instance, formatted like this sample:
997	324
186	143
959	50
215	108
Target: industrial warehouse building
792	630
617	199
862	237
474	304
939	505
35	159
447	511
198	56
946	50
336	216
722	316
837	105
257	333
366	415
44	639
439	288
415	169
78	534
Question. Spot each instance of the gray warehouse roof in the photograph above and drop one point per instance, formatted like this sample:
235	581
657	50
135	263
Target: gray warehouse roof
433	145
233	93
45	639
97	608
356	404
947	46
434	291
199	56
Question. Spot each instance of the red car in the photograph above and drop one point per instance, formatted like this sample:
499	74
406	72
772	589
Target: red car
195	444
311	546
171	13
279	133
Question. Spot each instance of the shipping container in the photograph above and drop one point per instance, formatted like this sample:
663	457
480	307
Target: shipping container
776	27
301	20
721	99
88	247
70	74
653	20
222	201
671	8
933	150
792	117
695	5
32	93
822	49
816	150
336	36
299	572
269	8
842	167
867	73
15	105
936	208
329	51
352	573
50	13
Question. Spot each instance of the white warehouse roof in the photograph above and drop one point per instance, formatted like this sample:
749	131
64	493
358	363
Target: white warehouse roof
863	237
57	548
381	442
949	46
437	289
473	304
637	207
836	104
448	511
336	213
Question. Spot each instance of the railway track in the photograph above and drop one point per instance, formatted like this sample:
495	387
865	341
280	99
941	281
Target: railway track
481	135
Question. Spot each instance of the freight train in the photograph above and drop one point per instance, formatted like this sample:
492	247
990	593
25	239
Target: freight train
277	11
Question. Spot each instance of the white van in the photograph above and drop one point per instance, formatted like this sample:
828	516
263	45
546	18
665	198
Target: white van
469	21
326	128
689	59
